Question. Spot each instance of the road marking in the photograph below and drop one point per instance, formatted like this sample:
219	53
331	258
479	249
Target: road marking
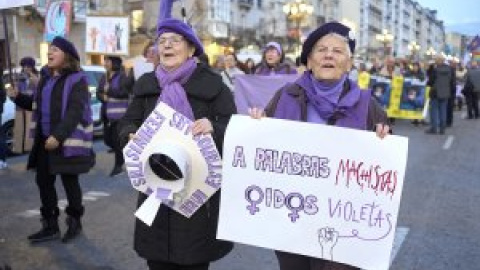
90	196
400	235
29	213
448	142
97	194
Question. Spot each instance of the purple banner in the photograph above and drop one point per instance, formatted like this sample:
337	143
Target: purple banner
256	90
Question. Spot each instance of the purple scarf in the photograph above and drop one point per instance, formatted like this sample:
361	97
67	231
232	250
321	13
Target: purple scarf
324	97
173	93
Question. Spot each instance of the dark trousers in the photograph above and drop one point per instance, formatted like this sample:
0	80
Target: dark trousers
111	140
3	141
289	261
48	194
471	99
450	107
157	265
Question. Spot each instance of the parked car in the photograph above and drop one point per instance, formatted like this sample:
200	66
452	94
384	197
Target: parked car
94	74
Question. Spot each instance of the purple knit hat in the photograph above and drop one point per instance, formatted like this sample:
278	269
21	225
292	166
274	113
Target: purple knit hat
183	29
325	29
275	45
66	46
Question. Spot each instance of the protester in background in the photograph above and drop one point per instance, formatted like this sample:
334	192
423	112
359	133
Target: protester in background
26	82
203	59
231	70
63	137
415	72
471	90
250	66
442	85
453	95
195	90
219	65
389	68
273	61
325	95
460	73
376	67
3	143
114	96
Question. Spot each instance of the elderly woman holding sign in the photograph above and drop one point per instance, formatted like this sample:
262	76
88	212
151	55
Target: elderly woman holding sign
325	95
193	89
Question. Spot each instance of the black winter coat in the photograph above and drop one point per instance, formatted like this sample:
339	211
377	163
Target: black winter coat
173	237
61	129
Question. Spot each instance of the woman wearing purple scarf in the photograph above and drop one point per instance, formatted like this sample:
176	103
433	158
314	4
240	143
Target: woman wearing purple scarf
273	61
192	88
325	95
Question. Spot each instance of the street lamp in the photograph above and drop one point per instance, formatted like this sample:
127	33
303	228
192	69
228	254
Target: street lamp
431	52
296	11
413	47
385	38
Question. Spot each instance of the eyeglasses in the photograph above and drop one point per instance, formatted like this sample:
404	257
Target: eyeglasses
173	40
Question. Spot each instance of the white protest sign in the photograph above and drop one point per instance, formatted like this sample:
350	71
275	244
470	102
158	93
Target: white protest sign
4	4
311	189
167	133
140	67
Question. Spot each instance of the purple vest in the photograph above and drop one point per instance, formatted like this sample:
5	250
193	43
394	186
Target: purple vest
80	142
116	107
289	108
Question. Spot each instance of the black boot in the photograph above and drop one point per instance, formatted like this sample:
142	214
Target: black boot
74	228
48	232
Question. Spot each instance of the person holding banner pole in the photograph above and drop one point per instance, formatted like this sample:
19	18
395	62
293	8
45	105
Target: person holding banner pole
62	128
325	95
196	91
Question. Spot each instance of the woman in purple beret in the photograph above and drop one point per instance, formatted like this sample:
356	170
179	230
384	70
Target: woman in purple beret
325	95
273	61
195	90
63	137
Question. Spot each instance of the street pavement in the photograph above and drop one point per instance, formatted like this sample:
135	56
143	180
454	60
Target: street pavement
438	225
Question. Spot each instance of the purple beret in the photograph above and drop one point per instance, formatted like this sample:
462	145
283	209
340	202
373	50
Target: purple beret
275	45
325	29
27	61
181	28
66	46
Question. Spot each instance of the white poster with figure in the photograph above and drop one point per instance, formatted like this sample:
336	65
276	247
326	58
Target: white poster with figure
310	189
107	35
4	4
170	165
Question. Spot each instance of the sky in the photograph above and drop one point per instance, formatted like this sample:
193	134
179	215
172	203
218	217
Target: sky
458	15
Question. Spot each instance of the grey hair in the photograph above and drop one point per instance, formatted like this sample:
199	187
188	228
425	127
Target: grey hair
344	39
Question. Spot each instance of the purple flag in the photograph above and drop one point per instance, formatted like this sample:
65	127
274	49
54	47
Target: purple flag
257	90
165	11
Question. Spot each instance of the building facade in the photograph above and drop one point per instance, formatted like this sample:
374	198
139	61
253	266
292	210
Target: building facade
240	24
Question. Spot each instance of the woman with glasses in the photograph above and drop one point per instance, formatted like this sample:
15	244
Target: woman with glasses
325	95
195	90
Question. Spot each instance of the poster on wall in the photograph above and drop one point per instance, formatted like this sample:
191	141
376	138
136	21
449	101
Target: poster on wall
58	19
107	35
4	4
